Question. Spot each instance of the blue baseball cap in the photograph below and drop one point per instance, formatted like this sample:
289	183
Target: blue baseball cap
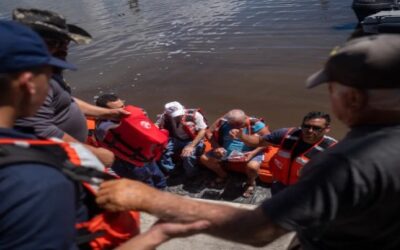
21	48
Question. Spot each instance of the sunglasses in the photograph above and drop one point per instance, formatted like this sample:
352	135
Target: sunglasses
314	128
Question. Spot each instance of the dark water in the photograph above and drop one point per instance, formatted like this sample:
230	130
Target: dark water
213	54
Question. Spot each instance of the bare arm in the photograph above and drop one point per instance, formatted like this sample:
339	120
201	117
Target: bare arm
105	156
235	224
200	135
162	232
99	112
250	140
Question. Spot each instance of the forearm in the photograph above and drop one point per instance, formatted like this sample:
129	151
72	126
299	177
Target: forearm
200	135
257	150
89	109
104	155
143	241
239	225
253	140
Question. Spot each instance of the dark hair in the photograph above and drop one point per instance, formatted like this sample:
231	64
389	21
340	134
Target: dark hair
102	100
317	114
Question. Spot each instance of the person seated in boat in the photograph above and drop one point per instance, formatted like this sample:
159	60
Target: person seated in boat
187	128
148	173
225	148
296	147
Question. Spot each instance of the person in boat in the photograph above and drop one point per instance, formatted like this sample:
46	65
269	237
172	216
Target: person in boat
187	128
227	149
346	197
297	146
150	172
62	115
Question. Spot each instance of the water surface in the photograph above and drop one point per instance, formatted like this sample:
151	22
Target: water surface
213	54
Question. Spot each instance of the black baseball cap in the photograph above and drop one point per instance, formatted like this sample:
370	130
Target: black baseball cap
22	48
371	62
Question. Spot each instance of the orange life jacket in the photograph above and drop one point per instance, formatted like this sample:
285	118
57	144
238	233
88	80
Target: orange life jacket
188	122
91	139
136	139
104	230
287	170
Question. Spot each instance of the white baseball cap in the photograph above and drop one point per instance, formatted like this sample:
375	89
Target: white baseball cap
174	109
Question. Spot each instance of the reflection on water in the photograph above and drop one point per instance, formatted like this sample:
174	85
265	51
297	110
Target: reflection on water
213	54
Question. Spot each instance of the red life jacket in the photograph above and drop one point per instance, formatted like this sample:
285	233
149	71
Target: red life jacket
287	170
188	122
104	230
136	140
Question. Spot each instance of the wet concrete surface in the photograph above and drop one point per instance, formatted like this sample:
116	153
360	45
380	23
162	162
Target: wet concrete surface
231	191
206	242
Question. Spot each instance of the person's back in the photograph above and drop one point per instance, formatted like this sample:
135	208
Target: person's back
361	178
37	209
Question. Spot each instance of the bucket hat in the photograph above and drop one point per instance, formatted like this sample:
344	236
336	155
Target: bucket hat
51	24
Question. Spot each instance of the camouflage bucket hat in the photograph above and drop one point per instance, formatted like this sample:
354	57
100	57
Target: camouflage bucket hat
51	24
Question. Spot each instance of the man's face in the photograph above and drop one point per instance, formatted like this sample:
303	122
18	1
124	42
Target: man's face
116	104
313	130
58	47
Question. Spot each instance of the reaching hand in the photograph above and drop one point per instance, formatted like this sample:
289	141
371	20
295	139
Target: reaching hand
124	195
115	114
187	151
161	232
168	230
219	152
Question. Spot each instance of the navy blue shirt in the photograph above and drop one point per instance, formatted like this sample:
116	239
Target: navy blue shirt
37	208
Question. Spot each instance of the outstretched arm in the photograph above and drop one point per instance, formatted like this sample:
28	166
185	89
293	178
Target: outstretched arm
250	140
162	232
99	112
235	224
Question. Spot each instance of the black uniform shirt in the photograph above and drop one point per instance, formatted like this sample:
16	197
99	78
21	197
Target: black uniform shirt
349	196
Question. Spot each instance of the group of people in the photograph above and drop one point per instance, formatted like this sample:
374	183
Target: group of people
334	195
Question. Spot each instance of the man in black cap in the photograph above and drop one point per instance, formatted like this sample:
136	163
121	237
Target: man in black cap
62	115
37	208
347	196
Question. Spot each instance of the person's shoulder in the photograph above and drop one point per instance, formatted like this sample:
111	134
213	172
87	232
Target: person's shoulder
33	175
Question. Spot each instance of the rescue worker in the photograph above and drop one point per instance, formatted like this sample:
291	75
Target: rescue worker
33	213
346	198
187	128
62	115
150	172
226	149
296	147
